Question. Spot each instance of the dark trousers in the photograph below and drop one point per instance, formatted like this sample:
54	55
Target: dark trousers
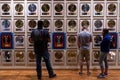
46	58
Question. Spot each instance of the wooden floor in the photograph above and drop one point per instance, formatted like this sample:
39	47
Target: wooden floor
61	75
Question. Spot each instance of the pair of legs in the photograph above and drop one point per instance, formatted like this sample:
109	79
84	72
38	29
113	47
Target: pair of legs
84	56
46	57
103	58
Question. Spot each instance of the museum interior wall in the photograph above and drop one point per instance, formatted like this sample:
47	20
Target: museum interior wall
64	20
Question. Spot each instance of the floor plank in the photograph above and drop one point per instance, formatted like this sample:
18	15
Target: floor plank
61	75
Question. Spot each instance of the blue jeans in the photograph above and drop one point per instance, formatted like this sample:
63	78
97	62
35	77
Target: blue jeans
103	57
46	58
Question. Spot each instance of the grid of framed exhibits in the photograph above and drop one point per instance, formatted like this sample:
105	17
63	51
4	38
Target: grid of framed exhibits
20	17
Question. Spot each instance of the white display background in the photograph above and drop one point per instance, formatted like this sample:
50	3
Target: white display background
65	15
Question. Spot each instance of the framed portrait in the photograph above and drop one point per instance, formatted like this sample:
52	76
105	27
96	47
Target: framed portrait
58	40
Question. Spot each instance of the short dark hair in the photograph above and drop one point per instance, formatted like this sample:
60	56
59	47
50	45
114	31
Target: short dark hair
105	31
40	24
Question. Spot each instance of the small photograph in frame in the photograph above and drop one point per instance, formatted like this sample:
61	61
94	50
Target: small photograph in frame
6	25
45	9
19	9
32	8
58	40
7	40
72	9
59	9
5	9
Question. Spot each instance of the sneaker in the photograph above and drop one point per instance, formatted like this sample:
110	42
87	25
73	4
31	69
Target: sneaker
105	74
54	75
101	75
80	73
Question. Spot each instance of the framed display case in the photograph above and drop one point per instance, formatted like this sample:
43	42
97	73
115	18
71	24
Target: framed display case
32	8
85	23
59	57
32	24
5	8
111	24
29	42
85	9
58	25
71	41
95	56
71	57
112	9
45	9
19	25
47	24
19	8
19	41
72	25
58	9
97	40
19	57
98	8
31	57
7	57
6	25
72	9
98	25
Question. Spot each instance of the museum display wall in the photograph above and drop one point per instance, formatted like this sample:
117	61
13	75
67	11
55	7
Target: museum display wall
64	20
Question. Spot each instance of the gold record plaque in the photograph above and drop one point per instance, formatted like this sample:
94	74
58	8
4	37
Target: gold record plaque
72	9
97	40
19	9
98	25
58	56
6	25
46	24
19	56
85	23
32	9
85	7
7	56
58	9
5	9
31	56
30	42
58	25
72	41
111	9
19	40
98	9
45	7
72	56
71	25
32	24
111	24
19	25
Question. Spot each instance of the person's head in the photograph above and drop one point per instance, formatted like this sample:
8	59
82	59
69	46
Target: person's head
105	31
40	24
84	28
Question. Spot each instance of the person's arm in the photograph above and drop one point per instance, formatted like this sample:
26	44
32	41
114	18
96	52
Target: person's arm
90	38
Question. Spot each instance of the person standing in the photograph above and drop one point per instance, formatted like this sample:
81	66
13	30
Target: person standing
84	39
40	38
104	48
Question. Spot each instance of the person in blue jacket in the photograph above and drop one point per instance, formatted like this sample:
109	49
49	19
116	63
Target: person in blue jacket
104	48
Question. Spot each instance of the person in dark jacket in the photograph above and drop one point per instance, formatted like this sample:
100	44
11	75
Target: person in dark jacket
40	39
104	48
